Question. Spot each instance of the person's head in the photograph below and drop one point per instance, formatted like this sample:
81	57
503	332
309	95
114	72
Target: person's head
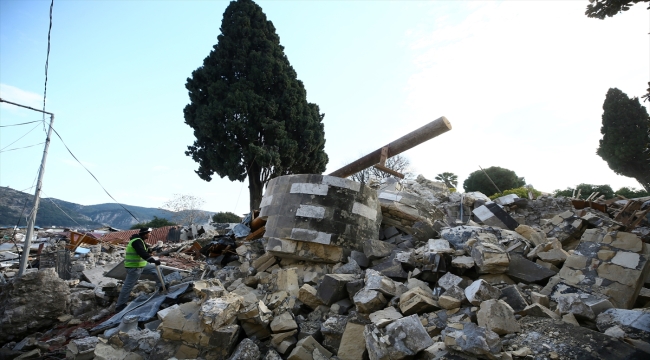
144	233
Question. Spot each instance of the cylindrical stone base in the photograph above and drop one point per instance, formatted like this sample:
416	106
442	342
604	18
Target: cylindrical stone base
321	209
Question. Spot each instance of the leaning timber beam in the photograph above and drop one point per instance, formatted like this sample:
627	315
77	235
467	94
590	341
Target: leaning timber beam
410	140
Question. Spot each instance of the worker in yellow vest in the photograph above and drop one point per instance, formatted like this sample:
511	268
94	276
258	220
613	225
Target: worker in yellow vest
137	261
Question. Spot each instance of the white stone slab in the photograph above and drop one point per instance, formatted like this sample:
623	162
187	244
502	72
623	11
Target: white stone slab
626	259
365	211
311	236
342	183
266	201
310	211
389	196
308	188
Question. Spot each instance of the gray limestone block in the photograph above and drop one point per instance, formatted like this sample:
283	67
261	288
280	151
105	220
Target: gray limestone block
448	280
391	268
376	281
332	330
458	236
473	340
480	291
635	323
526	271
360	258
407	337
513	297
353	287
376	249
246	350
368	301
310	328
333	287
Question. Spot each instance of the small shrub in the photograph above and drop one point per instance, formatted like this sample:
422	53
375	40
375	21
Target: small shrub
522	192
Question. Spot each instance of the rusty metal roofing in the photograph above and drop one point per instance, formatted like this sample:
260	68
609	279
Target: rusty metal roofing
159	234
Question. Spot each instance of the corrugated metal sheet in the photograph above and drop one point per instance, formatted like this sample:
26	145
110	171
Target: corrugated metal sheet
159	234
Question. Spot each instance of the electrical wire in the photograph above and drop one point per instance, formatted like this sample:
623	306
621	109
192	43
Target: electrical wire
47	61
20	138
91	174
66	214
24	147
31	122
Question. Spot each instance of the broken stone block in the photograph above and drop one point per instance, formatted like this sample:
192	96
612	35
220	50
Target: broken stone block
310	328
497	279
219	312
21	313
634	323
360	258
308	295
536	237
554	256
350	268
448	280
283	322
473	340
492	214
497	316
448	302
417	301
391	268
246	350
570	319
401	339
305	349
526	271
368	301
490	257
376	281
82	349
353	287
277	339
463	262
332	330
480	291
333	287
440	246
565	227
537	298
582	305
381	318
538	310
353	344
377	249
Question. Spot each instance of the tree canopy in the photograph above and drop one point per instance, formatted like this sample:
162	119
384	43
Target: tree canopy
155	223
186	209
226	217
249	111
504	179
624	145
602	8
450	179
586	190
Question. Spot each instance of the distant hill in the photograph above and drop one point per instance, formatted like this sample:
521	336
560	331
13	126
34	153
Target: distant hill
51	212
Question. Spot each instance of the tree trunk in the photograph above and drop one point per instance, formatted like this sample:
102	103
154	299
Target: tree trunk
255	187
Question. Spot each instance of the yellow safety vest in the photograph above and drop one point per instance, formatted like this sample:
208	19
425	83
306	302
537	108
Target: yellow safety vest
132	259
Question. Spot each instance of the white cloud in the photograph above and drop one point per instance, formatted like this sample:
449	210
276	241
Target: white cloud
22	97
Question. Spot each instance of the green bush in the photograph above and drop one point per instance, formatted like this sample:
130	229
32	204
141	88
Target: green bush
632	193
522	192
155	223
225	217
586	190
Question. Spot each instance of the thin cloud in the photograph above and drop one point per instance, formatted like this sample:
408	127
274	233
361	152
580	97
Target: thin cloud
19	96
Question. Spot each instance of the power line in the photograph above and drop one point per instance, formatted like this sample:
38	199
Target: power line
19	138
47	61
66	214
24	147
31	122
91	174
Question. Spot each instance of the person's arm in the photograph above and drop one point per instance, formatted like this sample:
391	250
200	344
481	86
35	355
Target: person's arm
140	249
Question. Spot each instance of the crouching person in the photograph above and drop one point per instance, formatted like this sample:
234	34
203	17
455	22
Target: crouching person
137	261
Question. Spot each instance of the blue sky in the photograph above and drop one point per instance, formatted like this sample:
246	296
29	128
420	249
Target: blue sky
522	83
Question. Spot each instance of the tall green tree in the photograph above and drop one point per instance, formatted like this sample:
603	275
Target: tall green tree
450	179
602	8
625	137
249	111
503	178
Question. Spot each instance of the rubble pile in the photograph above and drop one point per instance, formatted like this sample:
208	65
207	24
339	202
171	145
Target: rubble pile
393	270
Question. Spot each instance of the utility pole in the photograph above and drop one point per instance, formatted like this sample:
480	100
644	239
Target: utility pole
37	193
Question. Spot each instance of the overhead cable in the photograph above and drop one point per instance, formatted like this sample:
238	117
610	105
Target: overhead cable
47	61
20	138
31	122
66	214
91	174
24	147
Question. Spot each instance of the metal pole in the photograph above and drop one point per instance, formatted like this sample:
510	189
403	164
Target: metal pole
37	199
489	178
410	140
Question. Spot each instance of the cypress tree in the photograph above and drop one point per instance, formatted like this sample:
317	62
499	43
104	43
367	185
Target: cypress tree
625	137
248	109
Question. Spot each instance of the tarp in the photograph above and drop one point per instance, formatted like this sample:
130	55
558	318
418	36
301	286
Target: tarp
145	306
